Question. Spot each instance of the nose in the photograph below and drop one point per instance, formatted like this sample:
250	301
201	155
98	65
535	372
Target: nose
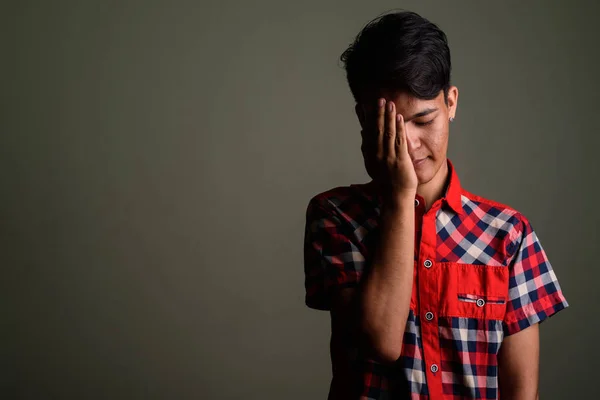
412	139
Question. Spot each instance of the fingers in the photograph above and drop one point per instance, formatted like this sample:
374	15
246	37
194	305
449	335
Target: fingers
390	130
400	144
380	128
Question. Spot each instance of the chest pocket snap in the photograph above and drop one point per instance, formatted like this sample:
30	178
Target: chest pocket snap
475	291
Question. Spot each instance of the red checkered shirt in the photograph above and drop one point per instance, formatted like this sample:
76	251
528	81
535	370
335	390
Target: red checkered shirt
480	274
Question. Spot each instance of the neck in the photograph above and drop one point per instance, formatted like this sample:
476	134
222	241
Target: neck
435	188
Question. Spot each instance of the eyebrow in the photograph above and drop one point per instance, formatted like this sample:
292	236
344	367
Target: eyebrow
422	113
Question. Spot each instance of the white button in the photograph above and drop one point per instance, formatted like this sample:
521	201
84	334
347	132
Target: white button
480	302
416	202
429	316
427	263
434	368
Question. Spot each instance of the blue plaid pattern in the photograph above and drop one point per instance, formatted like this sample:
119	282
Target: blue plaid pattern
487	277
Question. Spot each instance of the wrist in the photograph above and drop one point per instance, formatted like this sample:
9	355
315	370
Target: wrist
400	198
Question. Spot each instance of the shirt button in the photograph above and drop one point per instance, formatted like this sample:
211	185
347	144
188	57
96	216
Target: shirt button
429	316
427	263
416	202
434	368
480	302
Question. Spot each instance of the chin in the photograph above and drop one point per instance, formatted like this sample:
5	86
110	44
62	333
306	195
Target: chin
427	172
424	177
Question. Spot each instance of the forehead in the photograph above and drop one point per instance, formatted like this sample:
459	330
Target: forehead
406	103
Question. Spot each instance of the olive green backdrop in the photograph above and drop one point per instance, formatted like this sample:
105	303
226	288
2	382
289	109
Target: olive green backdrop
156	160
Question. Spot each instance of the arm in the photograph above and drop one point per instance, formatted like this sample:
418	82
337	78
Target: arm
387	288
518	365
534	295
373	316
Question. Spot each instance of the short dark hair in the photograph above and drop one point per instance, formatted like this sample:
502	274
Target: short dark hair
399	51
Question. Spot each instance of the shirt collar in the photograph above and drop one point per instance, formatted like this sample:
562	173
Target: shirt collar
451	198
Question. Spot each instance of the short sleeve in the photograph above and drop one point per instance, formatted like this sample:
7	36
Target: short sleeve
534	293
332	258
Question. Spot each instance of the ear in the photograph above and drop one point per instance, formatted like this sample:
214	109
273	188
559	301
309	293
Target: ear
360	113
452	101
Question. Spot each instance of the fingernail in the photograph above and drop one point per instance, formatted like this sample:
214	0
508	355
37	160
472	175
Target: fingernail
399	117
390	105
381	102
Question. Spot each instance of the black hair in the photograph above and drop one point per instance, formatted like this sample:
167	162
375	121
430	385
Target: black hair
398	51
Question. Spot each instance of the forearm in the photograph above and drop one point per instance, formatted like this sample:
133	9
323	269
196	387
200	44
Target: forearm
387	287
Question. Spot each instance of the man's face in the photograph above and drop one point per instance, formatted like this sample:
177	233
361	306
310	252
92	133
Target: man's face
427	127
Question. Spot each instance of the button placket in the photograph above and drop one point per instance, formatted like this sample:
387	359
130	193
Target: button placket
429	301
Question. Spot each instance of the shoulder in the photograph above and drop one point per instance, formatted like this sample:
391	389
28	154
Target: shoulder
349	202
495	213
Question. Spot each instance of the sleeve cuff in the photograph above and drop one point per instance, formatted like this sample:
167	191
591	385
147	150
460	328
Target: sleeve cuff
322	300
529	314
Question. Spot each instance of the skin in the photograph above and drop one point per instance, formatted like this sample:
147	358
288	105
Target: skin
385	293
374	315
427	137
518	365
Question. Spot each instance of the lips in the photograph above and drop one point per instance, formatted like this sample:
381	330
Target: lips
419	162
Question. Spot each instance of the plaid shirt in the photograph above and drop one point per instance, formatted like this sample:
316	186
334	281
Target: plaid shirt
480	274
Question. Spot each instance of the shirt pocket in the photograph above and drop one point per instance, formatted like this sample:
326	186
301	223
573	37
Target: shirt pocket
474	291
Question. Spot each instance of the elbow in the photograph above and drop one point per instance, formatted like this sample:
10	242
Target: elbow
387	353
382	346
382	336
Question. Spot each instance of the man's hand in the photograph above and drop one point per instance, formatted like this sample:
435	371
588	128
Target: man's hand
386	148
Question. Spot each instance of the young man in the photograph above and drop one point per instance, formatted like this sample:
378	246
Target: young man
434	292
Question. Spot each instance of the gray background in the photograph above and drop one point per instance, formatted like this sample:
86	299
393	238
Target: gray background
156	160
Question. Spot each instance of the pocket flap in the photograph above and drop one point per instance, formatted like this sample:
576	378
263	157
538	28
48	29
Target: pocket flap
474	291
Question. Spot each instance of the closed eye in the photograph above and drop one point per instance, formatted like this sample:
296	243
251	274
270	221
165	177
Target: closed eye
424	123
